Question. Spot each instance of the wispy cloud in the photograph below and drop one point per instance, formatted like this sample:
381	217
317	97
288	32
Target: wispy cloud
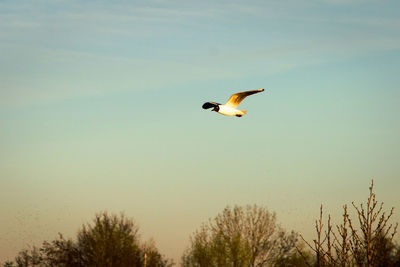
59	49
348	2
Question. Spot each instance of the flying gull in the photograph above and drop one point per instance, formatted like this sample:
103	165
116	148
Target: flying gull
230	107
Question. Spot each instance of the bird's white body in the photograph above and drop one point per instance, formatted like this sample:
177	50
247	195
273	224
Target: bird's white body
230	111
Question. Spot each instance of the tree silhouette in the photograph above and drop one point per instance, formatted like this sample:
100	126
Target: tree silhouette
110	241
240	236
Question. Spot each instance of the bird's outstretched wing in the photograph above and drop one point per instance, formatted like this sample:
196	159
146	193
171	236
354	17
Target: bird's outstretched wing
208	105
235	99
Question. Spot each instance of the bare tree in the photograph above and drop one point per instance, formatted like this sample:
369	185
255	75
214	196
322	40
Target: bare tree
366	245
322	244
373	225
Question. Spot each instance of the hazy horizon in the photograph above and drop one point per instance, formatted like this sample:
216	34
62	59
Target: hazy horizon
100	109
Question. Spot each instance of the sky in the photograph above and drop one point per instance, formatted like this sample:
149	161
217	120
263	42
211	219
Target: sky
100	109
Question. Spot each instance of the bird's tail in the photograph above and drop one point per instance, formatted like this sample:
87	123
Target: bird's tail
244	112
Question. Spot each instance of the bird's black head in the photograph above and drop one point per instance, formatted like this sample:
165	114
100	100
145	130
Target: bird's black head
213	105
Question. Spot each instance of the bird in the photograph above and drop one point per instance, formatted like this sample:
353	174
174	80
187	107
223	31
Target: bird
230	107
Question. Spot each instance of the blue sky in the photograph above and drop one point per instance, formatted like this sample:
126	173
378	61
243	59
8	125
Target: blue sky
100	108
